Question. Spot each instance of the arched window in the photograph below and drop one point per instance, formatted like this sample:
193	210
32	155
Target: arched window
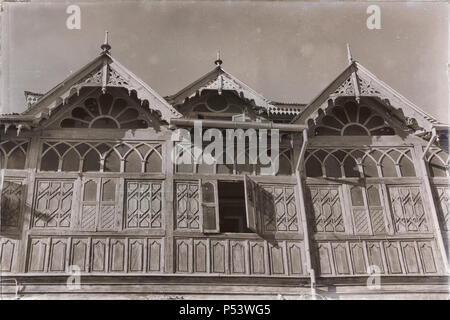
406	166
351	168
353	120
438	164
388	167
91	161
133	162
112	162
106	112
332	167
313	167
71	161
50	161
153	162
16	159
370	167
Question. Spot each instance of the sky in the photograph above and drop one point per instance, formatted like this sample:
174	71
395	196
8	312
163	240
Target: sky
287	51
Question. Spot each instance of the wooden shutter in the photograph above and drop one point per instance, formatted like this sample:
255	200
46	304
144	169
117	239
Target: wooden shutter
210	206
251	203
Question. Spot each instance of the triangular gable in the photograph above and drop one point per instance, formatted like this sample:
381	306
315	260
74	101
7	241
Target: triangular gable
359	82
104	71
218	79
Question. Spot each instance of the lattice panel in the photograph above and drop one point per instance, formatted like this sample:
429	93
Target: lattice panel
144	204
360	221
11	198
277	203
327	209
442	195
188	205
53	204
407	208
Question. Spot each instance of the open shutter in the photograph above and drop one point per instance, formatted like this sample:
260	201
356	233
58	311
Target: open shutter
250	203
210	208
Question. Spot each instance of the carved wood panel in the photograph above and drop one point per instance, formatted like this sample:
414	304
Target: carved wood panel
10	207
143	204
250	257
392	257
187	205
278	205
53	204
96	254
407	207
442	200
326	205
8	254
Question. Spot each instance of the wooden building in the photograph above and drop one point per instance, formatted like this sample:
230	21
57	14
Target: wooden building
87	180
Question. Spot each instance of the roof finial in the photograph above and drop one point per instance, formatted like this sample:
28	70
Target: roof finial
218	62
349	55
105	46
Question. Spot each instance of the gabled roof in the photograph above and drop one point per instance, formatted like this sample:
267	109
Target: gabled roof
219	79
359	82
104	71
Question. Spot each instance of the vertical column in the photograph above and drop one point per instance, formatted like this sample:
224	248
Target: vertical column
31	166
429	202
168	214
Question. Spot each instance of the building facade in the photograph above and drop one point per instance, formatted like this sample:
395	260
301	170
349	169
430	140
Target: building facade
89	187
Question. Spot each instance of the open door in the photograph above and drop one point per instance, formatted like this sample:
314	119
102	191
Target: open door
210	208
251	203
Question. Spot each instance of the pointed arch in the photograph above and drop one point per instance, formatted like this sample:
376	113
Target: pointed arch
332	166
388	166
50	160
91	161
313	166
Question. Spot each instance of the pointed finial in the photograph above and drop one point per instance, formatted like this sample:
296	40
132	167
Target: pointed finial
218	62
349	55
105	46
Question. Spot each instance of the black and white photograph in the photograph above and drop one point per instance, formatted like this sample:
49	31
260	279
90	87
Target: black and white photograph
224	150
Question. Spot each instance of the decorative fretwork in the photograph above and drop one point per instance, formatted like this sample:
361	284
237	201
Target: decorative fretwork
346	89
407	208
101	156
353	119
187	205
186	163
326	205
105	111
53	204
11	198
13	153
144	205
367	88
442	195
278	207
351	163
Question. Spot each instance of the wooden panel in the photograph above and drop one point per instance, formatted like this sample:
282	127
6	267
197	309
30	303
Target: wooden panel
98	255
38	254
238	251
276	259
358	260
154	255
427	256
295	259
80	253
393	258
136	255
375	255
410	256
11	198
257	258
182	256
200	255
53	204
117	255
58	253
218	251
8	248
340	259
325	259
